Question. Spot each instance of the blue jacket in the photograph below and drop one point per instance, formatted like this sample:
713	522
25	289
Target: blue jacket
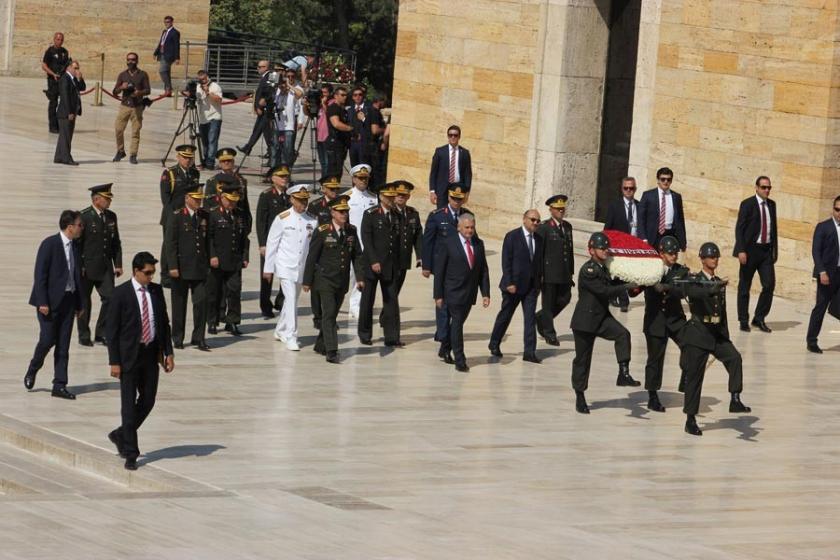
171	46
824	249
440	224
518	268
51	274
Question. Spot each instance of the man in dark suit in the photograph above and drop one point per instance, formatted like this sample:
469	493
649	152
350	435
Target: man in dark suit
138	338
450	164
460	272
69	109
825	251
168	52
622	215
262	123
56	294
757	248
520	284
661	212
367	127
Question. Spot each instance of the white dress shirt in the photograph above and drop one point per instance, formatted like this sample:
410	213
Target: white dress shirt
766	211
528	243
359	202
140	295
71	263
287	244
669	207
457	162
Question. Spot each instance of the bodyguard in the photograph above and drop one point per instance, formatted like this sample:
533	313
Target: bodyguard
557	264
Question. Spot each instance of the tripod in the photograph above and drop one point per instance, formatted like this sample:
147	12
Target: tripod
190	115
310	126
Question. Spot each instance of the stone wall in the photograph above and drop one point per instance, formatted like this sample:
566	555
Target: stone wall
96	26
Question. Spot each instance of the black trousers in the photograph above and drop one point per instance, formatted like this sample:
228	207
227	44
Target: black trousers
693	362
336	153
824	296
262	127
65	141
610	329
315	302
656	346
138	390
265	292
56	329
104	288
361	152
224	296
510	302
330	303
52	105
759	259
555	298
401	274
180	290
390	316
668	232
455	339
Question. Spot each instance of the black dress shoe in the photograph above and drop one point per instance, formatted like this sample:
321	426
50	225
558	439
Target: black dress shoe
202	346
580	403
691	426
119	156
463	368
211	329
29	380
448	359
814	348
366	341
531	358
395	344
332	357
496	350
244	149
131	464
71	162
654	404
132	159
178	345
735	404
63	393
319	350
86	342
624	378
744	326
101	340
116	439
234	330
268	314
552	341
762	326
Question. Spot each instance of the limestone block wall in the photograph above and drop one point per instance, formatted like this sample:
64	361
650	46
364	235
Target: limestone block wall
92	27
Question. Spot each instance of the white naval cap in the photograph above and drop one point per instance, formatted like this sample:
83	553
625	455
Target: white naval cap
300	190
362	170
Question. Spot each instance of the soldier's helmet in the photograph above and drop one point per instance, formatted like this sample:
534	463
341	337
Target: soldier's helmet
599	240
709	250
669	244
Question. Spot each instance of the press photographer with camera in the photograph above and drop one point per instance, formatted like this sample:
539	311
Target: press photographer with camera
263	103
338	139
321	127
132	86
208	99
287	108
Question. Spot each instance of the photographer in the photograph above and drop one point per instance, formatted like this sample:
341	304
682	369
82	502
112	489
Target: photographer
321	127
133	86
286	111
208	96
338	139
263	98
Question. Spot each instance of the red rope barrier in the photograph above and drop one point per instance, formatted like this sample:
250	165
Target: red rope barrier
238	99
88	91
111	95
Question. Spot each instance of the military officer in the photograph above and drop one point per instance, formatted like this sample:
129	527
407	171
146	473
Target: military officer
175	183
272	201
411	232
361	200
592	319
707	332
101	252
557	264
227	160
186	248
441	224
227	239
334	246
320	208
664	317
286	249
380	235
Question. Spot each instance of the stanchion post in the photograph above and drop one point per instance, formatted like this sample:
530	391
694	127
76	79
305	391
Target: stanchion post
97	95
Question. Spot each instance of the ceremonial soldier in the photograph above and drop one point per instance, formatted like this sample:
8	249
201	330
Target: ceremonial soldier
664	317
271	203
381	244
592	319
101	252
227	159
175	183
334	246
361	199
707	332
411	232
286	249
321	210
227	239
186	249
440	225
557	264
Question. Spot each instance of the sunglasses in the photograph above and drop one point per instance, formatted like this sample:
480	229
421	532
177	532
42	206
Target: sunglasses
836	209
148	272
534	220
453	135
628	188
765	187
665	179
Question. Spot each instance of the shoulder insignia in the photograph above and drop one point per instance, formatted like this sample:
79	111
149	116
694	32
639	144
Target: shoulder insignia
268	190
87	210
324	227
590	270
284	214
171	180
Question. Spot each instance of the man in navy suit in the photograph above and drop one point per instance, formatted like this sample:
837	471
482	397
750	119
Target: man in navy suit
56	294
450	164
757	248
520	284
623	215
69	109
460	272
139	337
825	250
168	52
654	223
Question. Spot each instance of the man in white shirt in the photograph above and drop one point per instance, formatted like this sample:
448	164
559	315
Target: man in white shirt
209	103
287	108
360	200
285	256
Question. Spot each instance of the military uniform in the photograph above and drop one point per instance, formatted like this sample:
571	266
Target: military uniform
101	252
271	203
213	190
227	240
556	266
380	234
320	209
411	235
187	251
327	271
175	183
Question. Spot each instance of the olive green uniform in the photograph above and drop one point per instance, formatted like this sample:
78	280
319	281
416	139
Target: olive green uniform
664	319
186	249
556	266
380	231
227	240
321	210
101	252
270	203
175	183
411	239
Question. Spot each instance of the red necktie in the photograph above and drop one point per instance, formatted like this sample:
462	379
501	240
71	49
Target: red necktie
763	223
663	208
470	256
146	337
451	165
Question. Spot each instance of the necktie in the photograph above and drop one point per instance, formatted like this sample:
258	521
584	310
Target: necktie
630	214
195	220
470	256
71	267
146	336
531	245
451	165
663	207
763	222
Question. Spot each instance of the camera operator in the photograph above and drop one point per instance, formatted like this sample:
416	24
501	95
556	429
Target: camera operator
321	127
338	139
208	96
56	59
262	95
287	109
132	85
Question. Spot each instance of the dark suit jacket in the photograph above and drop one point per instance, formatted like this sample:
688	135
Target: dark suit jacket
455	281
648	220
69	101
824	249
617	216
518	269
261	86
748	226
439	174
51	274
123	327
171	46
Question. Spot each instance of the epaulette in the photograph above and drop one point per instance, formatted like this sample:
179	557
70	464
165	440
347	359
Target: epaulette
87	210
590	269
445	210
324	227
284	214
268	190
410	209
